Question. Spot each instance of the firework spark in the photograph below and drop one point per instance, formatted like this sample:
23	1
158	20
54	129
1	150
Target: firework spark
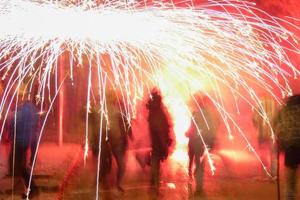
222	45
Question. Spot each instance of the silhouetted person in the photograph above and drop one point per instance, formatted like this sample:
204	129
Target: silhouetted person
287	126
105	155
160	133
24	137
94	126
119	129
264	128
203	124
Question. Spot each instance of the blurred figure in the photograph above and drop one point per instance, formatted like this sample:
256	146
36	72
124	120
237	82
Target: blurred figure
105	155
36	134
264	128
94	117
5	140
287	126
142	143
160	134
23	135
119	129
203	124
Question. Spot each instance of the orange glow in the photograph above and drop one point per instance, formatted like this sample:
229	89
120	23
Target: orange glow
237	156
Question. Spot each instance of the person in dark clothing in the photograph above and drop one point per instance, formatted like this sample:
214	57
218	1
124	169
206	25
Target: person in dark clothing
202	131
24	137
287	127
160	133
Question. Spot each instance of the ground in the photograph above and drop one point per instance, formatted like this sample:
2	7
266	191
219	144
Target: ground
61	173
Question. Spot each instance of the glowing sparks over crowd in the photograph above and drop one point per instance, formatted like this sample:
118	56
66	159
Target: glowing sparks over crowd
129	47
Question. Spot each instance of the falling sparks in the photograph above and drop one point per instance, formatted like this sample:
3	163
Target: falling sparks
224	45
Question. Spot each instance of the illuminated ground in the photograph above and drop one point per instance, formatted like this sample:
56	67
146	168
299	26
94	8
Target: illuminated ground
236	178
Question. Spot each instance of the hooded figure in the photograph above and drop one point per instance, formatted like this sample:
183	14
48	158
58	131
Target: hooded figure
160	134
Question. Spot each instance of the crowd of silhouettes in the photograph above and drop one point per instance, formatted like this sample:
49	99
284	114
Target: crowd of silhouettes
110	134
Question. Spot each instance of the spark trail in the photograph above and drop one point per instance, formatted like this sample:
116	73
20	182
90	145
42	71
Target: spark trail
226	45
